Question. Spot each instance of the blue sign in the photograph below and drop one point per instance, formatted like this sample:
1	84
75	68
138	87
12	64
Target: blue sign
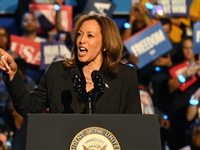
176	8
71	2
8	7
196	38
148	44
102	7
49	51
122	7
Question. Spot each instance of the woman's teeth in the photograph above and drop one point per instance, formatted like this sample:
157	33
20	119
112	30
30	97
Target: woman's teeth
83	49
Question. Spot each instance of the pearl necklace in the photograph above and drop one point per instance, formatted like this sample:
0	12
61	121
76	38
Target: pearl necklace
89	82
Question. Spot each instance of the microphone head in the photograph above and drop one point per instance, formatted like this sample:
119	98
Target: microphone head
95	73
74	72
99	85
79	85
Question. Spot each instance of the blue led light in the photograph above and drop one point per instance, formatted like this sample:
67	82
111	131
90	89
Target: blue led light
181	78
165	117
131	65
157	68
198	22
194	102
56	7
127	25
8	143
149	5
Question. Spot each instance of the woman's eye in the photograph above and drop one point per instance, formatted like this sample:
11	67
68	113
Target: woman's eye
90	35
79	34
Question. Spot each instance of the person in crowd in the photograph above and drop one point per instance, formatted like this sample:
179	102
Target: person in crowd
195	11
193	108
29	27
179	123
62	34
12	121
192	115
29	31
5	45
22	7
4	38
161	96
193	137
179	27
179	24
5	41
138	20
4	95
3	140
68	87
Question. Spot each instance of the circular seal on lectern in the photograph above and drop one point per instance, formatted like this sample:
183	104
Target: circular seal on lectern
95	138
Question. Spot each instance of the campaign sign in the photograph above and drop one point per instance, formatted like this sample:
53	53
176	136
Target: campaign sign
148	44
196	38
8	7
49	50
43	1
179	70
102	7
176	8
27	49
45	16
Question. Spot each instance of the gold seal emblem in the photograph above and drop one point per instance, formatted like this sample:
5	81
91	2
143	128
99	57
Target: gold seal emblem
94	138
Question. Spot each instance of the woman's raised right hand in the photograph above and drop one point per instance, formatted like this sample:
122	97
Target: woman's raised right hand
7	64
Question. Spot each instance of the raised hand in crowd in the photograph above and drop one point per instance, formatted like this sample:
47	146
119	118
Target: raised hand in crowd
58	23
196	94
198	66
138	19
191	70
3	140
138	11
193	107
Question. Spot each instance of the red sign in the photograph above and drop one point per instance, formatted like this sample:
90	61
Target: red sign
178	70
45	14
27	49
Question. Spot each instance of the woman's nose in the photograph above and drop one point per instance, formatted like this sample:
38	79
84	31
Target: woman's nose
82	39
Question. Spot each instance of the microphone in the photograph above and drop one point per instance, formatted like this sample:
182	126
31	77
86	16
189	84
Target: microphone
99	84
79	86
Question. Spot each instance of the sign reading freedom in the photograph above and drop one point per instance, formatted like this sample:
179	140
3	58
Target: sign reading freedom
148	44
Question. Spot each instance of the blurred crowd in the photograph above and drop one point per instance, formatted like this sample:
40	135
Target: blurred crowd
160	92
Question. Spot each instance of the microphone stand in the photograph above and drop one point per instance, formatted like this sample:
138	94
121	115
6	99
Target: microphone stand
89	104
99	86
90	98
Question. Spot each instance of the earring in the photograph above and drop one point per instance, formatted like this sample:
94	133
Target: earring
104	49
